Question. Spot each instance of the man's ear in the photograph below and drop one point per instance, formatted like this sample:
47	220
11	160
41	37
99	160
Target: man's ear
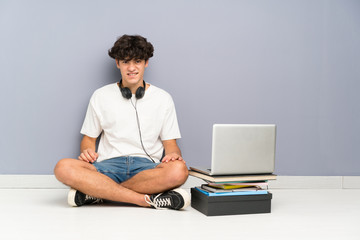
117	63
146	63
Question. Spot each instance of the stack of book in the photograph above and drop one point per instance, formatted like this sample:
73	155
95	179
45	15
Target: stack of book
233	185
244	193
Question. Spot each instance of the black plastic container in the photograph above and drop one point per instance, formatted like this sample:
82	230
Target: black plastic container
230	205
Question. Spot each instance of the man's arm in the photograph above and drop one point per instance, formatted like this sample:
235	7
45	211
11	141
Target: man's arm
87	149
172	151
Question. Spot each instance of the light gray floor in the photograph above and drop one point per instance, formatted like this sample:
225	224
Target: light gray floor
296	214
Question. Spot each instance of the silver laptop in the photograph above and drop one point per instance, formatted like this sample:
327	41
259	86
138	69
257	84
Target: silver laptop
242	149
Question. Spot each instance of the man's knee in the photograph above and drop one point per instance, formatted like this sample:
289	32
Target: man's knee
64	170
178	173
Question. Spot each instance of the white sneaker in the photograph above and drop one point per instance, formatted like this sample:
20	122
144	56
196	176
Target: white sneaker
77	198
174	199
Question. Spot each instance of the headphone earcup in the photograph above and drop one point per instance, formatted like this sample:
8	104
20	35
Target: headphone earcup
140	92
126	92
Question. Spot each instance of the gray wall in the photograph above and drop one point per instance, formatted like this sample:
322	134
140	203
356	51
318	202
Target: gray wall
292	63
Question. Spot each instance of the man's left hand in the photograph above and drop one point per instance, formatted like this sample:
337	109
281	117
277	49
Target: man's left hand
172	157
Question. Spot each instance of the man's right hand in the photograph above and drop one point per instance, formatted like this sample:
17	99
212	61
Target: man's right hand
88	155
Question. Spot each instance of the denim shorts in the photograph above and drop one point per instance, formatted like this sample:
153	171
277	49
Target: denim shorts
121	169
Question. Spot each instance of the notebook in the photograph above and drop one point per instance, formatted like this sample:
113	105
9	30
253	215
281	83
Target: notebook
242	149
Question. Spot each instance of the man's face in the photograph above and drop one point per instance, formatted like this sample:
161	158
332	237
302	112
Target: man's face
132	71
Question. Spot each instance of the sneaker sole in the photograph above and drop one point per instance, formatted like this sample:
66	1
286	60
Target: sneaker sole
71	197
185	195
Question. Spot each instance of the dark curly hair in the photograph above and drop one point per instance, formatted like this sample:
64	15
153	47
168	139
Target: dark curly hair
129	47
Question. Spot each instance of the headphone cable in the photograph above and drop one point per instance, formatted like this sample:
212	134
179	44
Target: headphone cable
138	123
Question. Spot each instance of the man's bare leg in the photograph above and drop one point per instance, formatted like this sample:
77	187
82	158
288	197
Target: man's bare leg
164	177
84	177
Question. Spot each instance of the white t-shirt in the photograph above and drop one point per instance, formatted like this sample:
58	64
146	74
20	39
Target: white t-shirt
114	116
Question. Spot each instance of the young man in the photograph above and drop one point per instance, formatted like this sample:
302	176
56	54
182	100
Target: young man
137	122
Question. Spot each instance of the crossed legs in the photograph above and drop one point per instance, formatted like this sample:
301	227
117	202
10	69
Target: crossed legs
84	177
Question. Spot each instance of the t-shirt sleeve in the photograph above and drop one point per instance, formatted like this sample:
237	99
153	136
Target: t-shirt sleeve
170	129
91	126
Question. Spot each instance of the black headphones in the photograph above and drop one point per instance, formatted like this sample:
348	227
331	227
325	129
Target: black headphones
126	92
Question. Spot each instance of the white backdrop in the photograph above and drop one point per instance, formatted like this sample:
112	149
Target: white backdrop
292	63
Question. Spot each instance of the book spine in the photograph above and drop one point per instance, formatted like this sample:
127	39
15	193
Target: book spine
210	194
